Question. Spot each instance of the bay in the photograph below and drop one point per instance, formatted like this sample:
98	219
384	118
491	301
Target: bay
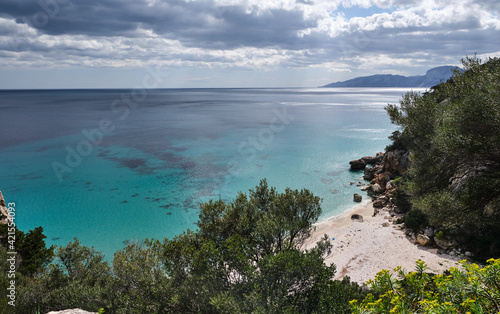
114	166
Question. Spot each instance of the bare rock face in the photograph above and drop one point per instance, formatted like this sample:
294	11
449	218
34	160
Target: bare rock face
370	172
357	197
382	179
423	240
396	162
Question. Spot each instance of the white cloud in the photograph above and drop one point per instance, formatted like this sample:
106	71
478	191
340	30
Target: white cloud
251	34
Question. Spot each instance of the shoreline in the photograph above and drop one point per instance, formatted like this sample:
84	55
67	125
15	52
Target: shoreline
363	248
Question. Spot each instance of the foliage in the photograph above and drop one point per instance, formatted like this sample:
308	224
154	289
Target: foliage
415	220
78	278
471	289
247	256
140	283
453	135
32	253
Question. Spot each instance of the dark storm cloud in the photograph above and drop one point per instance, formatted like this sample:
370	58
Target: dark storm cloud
102	17
193	23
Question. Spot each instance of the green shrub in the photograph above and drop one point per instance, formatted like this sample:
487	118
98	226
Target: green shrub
468	289
415	219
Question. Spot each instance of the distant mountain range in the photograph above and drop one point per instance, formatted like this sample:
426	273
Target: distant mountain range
433	77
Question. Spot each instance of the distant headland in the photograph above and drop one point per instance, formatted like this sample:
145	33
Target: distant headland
433	77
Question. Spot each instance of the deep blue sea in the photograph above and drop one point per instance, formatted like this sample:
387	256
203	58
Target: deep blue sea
113	166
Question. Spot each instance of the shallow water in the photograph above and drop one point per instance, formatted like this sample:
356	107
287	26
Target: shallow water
112	166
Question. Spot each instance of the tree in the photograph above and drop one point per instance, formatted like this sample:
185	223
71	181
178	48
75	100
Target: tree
140	283
453	135
79	278
247	256
32	255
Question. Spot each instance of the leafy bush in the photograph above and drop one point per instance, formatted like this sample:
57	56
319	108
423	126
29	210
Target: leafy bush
469	289
415	219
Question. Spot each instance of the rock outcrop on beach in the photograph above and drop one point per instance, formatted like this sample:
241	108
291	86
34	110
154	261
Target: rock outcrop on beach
360	164
381	170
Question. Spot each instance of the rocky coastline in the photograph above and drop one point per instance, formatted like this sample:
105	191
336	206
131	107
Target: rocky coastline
382	171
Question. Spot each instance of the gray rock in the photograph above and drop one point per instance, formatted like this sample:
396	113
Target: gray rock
375	189
378	203
370	172
423	240
390	185
429	232
357	164
365	188
357	198
444	244
468	254
357	217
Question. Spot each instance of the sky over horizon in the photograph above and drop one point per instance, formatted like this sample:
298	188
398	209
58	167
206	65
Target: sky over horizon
235	43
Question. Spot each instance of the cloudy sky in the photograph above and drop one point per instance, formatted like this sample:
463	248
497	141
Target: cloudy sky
235	43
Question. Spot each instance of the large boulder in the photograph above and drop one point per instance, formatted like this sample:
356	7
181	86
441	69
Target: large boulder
443	243
357	164
423	240
357	217
378	203
375	189
357	197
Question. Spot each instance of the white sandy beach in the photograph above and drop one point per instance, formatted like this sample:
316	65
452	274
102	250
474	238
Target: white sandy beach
362	249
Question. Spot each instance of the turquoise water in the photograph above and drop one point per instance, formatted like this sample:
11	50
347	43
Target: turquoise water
108	166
